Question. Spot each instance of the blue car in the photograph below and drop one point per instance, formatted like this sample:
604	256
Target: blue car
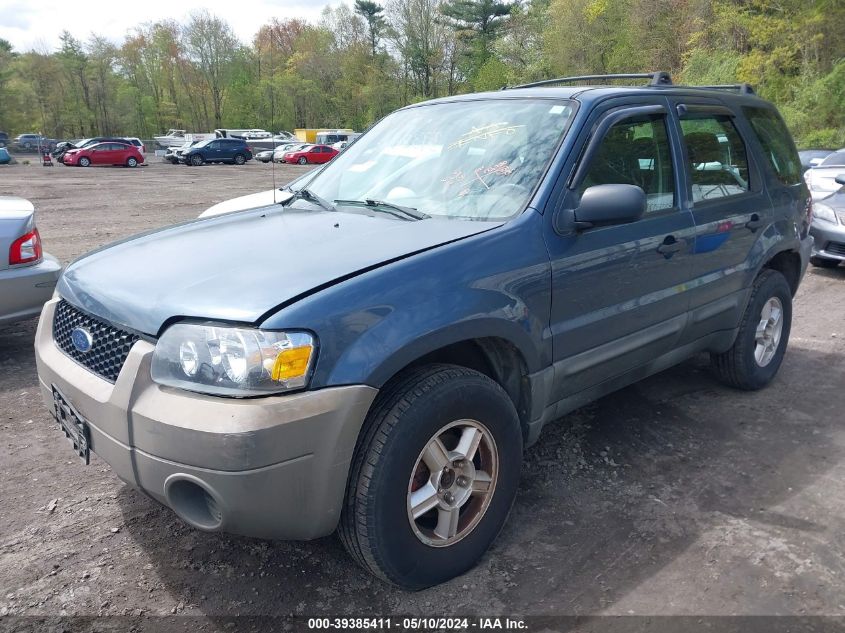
5	156
218	150
372	352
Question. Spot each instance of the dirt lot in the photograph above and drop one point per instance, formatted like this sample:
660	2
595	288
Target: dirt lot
674	497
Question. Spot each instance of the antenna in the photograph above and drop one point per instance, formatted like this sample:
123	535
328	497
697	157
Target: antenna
272	118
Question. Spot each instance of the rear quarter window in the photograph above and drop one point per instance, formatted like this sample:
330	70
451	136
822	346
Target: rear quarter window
778	148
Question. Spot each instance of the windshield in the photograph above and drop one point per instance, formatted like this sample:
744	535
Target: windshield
837	159
475	160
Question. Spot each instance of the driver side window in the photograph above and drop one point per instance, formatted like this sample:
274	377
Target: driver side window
636	151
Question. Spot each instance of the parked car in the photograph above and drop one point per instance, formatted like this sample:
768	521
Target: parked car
821	179
279	153
104	154
27	274
316	154
264	156
812	157
173	154
4	139
219	150
33	142
5	157
63	147
374	353
828	228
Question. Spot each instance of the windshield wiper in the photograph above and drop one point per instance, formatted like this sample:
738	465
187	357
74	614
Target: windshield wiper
387	207
309	196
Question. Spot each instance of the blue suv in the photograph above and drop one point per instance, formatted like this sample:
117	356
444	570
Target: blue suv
219	150
373	352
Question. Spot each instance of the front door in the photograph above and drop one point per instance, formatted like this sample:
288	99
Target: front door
618	292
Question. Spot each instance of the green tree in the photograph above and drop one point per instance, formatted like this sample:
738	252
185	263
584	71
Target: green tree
372	14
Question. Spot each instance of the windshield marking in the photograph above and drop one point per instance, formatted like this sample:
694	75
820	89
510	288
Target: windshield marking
484	133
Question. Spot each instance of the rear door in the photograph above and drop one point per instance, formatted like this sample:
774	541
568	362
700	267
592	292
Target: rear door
723	190
619	297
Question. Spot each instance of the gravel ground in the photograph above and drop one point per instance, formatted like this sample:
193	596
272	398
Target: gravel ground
676	496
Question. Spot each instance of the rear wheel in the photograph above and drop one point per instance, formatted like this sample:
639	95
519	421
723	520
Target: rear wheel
196	160
84	162
302	160
240	159
760	345
434	476
824	262
132	162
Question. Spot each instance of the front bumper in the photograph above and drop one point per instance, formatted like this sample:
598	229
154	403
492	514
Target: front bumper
24	289
829	240
273	467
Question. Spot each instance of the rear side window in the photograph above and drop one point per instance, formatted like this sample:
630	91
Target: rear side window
718	161
777	144
636	152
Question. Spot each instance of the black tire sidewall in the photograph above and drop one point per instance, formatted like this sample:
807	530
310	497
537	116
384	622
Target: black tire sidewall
132	162
406	560
84	162
303	161
240	159
774	285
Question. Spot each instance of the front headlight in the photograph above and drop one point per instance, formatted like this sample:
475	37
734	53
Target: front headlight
232	361
824	212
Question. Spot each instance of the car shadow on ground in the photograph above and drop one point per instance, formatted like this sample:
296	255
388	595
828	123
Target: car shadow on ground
610	496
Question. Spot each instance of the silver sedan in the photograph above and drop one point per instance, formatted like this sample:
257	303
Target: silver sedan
27	274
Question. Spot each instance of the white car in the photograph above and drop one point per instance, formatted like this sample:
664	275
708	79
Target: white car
253	200
281	150
821	179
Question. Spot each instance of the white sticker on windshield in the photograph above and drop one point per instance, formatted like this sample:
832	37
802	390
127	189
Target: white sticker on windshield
557	109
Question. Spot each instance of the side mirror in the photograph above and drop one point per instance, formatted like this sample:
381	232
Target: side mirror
840	179
609	204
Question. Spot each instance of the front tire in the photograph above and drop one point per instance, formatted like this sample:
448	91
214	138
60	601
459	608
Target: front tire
197	160
84	162
760	345
823	262
434	476
302	160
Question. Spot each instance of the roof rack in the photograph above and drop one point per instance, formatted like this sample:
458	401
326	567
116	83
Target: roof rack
745	88
660	78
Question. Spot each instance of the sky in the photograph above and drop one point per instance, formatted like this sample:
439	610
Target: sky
36	24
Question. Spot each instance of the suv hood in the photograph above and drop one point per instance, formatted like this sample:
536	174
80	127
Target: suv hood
241	266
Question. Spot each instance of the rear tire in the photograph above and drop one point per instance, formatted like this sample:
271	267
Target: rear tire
197	160
466	426
760	345
823	262
131	162
84	162
240	159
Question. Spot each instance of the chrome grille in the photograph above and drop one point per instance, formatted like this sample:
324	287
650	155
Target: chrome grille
110	345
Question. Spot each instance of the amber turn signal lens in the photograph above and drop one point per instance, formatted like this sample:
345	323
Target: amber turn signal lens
291	363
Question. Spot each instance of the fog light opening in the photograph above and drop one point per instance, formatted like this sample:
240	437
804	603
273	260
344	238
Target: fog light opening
193	503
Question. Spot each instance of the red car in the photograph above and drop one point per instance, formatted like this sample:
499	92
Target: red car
314	154
104	154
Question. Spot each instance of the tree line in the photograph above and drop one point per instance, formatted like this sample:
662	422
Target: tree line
359	62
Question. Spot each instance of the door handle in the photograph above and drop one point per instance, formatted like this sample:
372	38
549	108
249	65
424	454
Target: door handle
754	223
670	246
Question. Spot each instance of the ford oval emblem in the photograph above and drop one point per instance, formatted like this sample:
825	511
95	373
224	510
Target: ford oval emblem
82	339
